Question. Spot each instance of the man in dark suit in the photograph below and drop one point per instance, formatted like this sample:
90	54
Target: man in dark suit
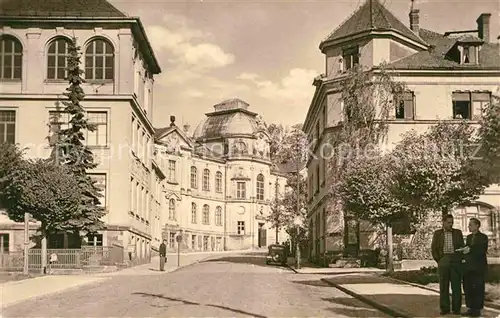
445	246
163	255
475	266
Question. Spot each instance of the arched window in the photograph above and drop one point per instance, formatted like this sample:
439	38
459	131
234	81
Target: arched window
260	187
193	213
171	209
206	180
99	60
218	216
57	59
206	214
218	182
11	58
194	177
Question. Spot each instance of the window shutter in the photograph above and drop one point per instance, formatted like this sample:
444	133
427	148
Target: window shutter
408	105
483	97
461	97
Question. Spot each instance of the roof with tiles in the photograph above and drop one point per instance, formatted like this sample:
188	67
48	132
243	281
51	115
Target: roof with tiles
371	16
59	8
435	58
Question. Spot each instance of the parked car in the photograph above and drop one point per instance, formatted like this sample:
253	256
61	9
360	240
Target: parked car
277	254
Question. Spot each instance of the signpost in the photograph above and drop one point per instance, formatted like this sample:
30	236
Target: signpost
178	238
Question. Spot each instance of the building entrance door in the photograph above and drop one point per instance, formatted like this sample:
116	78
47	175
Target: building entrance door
262	235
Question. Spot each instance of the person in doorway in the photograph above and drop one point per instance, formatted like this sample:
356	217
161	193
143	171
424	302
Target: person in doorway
475	266
163	255
445	247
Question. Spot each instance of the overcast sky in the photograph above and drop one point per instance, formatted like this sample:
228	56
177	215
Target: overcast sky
264	52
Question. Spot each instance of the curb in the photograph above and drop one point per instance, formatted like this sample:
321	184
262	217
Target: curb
487	304
383	308
53	293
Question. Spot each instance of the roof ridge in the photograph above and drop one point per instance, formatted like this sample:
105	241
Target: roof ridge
345	20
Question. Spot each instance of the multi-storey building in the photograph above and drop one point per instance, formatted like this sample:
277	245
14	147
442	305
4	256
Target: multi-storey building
219	183
119	66
448	76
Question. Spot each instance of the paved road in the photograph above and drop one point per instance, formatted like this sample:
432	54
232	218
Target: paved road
227	286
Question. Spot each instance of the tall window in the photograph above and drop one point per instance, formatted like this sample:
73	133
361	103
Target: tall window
11	58
206	180
100	182
241	227
59	120
350	57
260	187
218	215
218	182
98	137
99	60
206	214
57	62
194	177
4	242
241	190
405	107
171	209
171	171
8	126
193	213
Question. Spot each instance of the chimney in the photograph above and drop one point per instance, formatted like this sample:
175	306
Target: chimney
414	21
172	121
483	26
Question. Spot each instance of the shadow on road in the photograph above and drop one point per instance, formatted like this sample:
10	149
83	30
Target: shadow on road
351	307
187	302
258	259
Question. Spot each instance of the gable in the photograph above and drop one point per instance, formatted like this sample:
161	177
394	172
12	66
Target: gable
173	140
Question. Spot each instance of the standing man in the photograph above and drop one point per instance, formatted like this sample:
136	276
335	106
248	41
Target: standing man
163	255
475	267
445	246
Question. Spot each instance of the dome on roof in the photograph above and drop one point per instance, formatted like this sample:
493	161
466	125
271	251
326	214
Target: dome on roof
230	118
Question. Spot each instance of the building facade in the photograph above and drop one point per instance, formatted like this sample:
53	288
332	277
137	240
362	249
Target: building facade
448	76
218	184
119	66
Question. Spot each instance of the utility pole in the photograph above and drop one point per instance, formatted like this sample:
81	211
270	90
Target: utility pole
277	210
26	242
298	154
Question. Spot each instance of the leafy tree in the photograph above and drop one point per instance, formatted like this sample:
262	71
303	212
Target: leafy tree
437	170
277	134
278	217
71	151
48	192
11	157
488	156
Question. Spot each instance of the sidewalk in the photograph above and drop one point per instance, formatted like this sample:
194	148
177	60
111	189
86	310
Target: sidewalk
308	268
153	268
395	298
18	291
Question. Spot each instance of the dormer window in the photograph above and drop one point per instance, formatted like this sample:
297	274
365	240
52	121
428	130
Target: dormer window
469	54
466	50
350	57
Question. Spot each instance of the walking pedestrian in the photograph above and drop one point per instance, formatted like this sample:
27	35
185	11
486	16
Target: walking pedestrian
163	255
475	266
445	247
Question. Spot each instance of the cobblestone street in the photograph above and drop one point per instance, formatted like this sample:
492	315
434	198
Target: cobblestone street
223	286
